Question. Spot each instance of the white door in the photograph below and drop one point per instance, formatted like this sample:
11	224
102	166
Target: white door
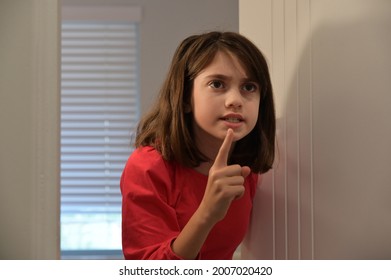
329	194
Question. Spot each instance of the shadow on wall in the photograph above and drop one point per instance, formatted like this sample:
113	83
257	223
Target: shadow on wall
345	213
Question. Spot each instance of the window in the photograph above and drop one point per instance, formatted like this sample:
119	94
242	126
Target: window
99	111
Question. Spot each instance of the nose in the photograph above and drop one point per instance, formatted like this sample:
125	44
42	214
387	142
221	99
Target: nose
234	99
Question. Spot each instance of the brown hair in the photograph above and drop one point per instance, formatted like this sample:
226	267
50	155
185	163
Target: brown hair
168	126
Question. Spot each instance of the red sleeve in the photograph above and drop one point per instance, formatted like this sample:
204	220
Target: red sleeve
149	223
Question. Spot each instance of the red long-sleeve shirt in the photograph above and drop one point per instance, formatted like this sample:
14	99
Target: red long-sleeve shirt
158	199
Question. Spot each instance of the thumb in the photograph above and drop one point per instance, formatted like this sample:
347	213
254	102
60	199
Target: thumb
245	171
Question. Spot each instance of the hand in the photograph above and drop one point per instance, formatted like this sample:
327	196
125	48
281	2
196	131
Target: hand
225	183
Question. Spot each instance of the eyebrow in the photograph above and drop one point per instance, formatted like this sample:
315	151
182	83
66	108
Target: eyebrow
226	78
218	76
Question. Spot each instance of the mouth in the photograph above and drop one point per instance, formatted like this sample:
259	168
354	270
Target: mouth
233	118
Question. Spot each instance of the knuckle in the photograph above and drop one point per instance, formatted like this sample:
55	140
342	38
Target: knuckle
241	180
220	183
236	168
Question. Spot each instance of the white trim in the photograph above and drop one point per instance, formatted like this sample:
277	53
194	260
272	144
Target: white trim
102	13
46	134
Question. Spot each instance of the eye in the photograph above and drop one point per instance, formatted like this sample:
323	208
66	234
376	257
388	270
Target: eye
250	87
216	84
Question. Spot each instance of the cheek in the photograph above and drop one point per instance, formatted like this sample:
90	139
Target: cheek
200	113
199	103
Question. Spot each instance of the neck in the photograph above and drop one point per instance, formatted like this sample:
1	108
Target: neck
210	148
203	168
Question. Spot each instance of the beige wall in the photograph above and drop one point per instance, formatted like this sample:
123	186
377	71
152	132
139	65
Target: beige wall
29	123
329	195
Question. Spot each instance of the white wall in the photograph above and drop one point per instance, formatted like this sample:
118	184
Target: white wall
29	104
329	195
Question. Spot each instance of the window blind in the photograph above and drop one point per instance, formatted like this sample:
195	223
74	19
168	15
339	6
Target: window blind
99	110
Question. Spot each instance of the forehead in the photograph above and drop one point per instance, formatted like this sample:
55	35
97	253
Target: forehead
225	63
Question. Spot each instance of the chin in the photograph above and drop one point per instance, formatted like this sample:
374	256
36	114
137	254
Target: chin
239	135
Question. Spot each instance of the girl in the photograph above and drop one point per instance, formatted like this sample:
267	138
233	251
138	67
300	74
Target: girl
188	187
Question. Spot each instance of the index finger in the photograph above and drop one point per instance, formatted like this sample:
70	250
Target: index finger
222	156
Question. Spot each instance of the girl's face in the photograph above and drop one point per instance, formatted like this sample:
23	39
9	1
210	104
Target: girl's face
223	97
